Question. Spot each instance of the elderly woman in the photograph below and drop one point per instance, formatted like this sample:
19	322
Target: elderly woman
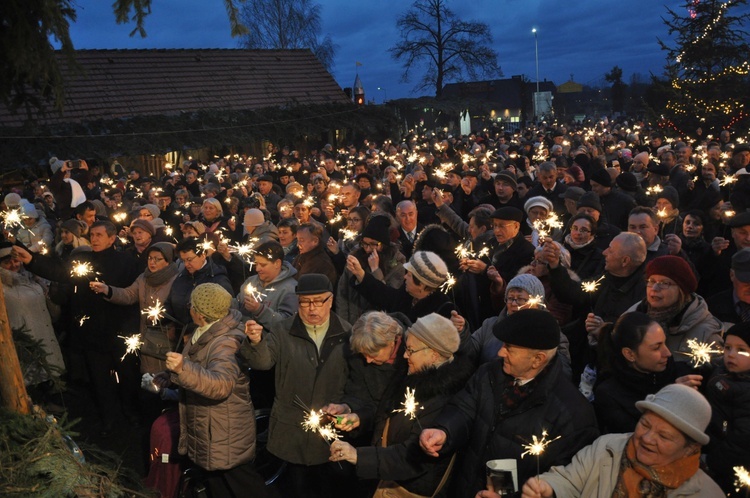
539	268
433	377
538	209
671	301
585	256
274	283
376	255
661	458
212	216
151	286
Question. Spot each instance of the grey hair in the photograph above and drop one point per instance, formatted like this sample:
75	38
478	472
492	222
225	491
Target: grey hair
373	331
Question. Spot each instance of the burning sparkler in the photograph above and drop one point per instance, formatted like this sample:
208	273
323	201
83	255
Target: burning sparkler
728	180
410	406
133	344
206	246
448	284
742	478
656	189
700	352
591	285
347	234
82	320
12	218
537	447
255	293
534	302
119	217
155	312
545	226
82	269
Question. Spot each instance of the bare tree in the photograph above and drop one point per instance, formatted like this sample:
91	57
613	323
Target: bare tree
285	24
432	35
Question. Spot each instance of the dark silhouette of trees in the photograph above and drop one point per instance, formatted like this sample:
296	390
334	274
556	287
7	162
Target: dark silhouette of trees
617	92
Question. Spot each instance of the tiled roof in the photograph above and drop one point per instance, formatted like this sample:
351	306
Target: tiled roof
125	83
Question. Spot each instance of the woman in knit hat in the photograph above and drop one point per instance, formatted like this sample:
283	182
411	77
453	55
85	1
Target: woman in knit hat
70	238
433	373
671	301
661	458
376	255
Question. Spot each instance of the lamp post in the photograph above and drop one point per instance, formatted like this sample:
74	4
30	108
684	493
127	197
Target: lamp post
385	94
536	57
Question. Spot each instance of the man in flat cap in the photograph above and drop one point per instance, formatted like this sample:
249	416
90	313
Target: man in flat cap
511	400
310	351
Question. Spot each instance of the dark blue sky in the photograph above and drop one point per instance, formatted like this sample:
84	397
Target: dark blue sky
585	38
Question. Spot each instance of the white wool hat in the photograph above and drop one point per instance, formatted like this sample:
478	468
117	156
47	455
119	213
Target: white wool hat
428	268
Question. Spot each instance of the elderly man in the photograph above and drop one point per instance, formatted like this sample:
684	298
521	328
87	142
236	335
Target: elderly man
512	252
548	186
95	322
616	205
265	187
310	351
510	401
312	256
406	214
644	222
733	305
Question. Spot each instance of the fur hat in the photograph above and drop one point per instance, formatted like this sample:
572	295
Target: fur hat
254	218
437	332
529	328
683	407
211	301
428	268
674	268
378	228
527	282
143	225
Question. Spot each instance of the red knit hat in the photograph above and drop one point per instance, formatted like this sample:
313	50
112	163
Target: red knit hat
675	268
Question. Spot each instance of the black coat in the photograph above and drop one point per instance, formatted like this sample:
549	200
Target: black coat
406	246
177	305
616	208
558	203
478	424
586	261
722	306
388	299
510	260
96	321
402	460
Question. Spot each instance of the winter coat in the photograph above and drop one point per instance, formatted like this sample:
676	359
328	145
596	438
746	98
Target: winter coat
316	261
402	460
267	232
723	307
37	237
616	208
391	300
96	323
585	261
594	471
509	261
217	420
27	308
314	377
280	300
477	423
694	322
178	302
350	304
729	395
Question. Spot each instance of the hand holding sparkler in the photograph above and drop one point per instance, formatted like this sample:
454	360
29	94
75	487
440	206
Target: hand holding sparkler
537	447
99	287
537	488
175	362
432	441
341	450
253	331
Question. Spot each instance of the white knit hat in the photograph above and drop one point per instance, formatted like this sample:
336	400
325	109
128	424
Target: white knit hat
437	332
683	407
538	201
428	268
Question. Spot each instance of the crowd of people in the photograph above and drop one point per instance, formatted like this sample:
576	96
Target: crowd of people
410	311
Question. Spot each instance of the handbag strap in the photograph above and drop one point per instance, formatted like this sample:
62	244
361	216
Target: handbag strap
446	474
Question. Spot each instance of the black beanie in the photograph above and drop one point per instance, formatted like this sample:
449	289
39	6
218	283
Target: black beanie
378	228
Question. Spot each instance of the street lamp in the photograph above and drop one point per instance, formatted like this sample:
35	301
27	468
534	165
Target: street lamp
536	56
385	94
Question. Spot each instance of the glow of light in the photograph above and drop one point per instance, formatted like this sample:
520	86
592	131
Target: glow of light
81	269
700	352
656	189
742	478
82	320
169	231
155	312
535	302
206	246
485	251
537	446
729	213
257	294
728	180
347	234
591	285
119	217
12	217
448	284
309	202
133	344
662	213
545	226
409	404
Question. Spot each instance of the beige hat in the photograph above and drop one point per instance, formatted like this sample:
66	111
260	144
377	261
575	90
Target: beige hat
428	268
211	300
437	332
254	218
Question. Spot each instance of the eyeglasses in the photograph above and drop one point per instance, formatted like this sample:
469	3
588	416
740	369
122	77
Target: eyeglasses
354	220
410	351
155	260
190	259
370	245
582	230
314	304
651	284
517	300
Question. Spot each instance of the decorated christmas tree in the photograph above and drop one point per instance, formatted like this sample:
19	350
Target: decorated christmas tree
707	66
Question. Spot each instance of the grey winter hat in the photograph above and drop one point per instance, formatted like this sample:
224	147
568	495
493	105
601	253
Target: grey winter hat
527	282
683	407
437	332
428	268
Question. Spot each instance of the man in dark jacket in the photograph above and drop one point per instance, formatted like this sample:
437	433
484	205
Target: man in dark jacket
97	322
310	351
617	206
733	305
513	251
510	401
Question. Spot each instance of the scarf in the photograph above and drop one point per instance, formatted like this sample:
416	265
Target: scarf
665	316
569	242
636	480
160	277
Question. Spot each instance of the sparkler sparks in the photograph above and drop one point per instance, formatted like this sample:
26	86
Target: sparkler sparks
547	225
347	234
591	285
662	213
155	312
538	446
12	218
700	352
133	344
448	284
410	405
256	293
81	269
534	302
82	320
728	180
656	189
742	478
206	246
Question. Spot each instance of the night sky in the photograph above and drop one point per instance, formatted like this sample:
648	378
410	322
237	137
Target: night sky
585	38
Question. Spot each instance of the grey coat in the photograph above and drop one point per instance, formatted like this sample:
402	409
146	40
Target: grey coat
594	469
280	300
217	420
316	377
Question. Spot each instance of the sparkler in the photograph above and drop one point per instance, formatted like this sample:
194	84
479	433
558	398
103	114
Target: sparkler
700	352
537	447
256	293
535	302
656	189
448	284
206	246
410	406
119	217
545	226
728	180
133	344
81	269
12	218
313	422
742	478
82	320
591	285
155	312
244	251
347	234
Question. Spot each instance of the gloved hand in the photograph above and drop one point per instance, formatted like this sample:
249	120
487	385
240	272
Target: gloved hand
148	384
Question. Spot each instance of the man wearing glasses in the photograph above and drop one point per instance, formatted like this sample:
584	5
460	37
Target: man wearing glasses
310	351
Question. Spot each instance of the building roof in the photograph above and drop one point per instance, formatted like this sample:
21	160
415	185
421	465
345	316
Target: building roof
506	93
126	83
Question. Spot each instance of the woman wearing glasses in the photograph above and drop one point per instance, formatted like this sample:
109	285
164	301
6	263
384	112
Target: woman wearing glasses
349	237
376	255
671	301
585	255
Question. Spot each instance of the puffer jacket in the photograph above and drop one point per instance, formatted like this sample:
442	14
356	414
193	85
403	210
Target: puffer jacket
37	237
594	471
280	300
477	423
315	377
694	322
217	420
